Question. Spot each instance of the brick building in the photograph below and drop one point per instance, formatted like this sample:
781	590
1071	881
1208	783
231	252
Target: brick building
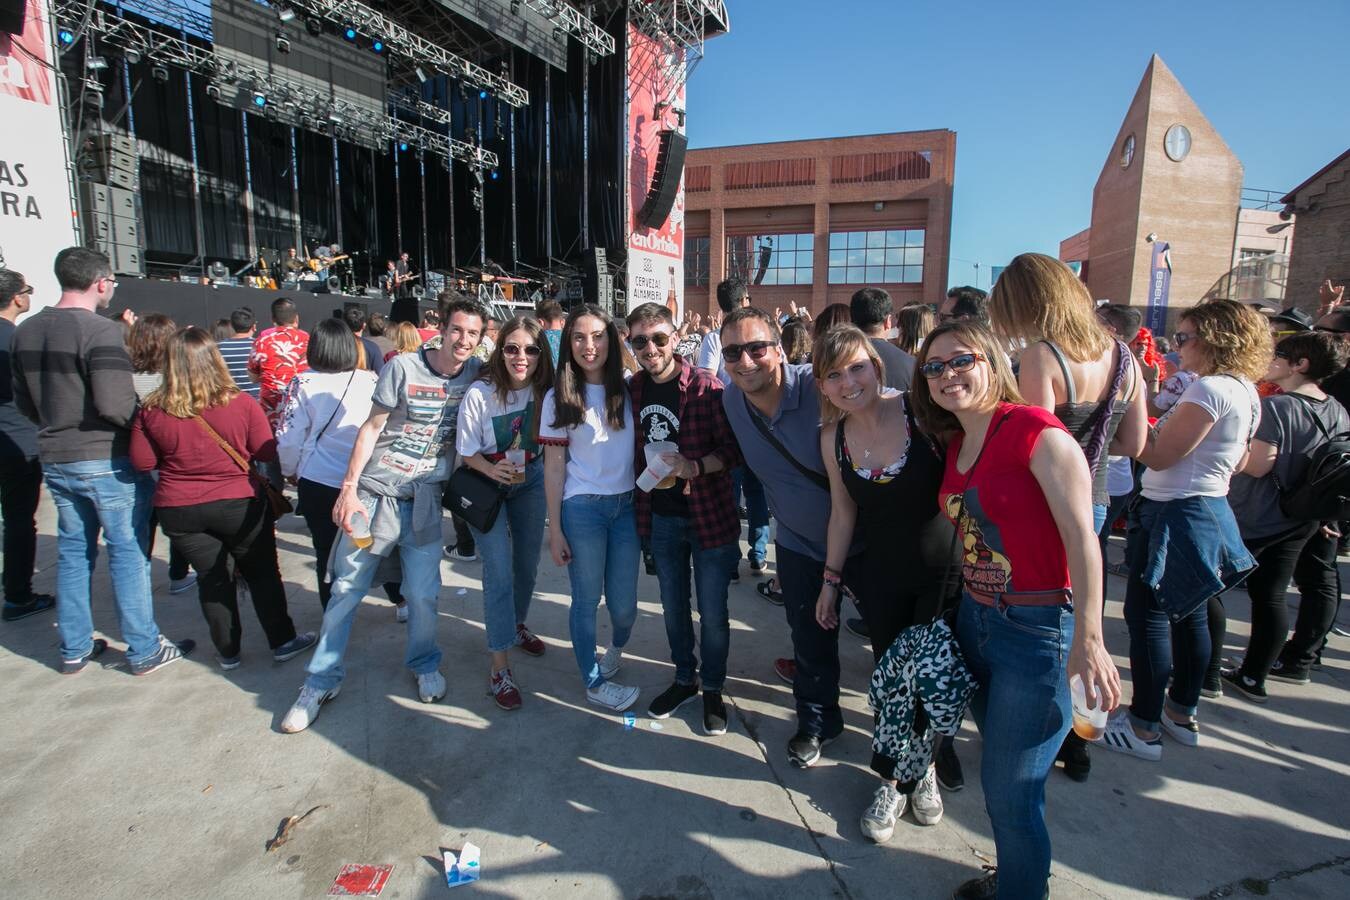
812	221
1322	205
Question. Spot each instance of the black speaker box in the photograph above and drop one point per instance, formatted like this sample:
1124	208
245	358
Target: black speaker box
665	181
11	16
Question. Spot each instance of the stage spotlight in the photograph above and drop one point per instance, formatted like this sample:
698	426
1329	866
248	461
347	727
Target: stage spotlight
259	99
334	117
402	146
213	91
285	14
495	175
159	72
377	45
96	64
65	36
515	7
421	74
92	97
314	25
482	95
132	56
283	42
349	32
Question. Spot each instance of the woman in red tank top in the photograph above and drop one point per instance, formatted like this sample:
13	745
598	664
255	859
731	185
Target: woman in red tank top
1018	488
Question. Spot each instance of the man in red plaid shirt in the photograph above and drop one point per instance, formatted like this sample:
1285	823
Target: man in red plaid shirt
692	519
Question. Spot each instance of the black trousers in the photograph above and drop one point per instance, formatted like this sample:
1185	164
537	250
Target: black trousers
316	505
1276	560
20	487
178	564
1319	586
209	534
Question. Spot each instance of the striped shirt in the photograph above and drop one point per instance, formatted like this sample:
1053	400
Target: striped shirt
236	353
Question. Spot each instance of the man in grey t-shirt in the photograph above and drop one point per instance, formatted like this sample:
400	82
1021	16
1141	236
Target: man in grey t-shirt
872	311
391	498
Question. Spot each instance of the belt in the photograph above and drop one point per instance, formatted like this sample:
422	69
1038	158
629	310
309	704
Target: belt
1061	597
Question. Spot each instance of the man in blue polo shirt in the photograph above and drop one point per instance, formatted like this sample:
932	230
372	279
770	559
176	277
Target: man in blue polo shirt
774	410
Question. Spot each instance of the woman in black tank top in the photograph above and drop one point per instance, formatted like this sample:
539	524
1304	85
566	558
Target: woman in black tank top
884	478
1038	300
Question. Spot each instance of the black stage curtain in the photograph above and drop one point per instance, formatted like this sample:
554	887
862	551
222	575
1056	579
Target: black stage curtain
531	168
568	156
220	162
361	209
318	211
438	216
608	136
269	148
410	205
168	209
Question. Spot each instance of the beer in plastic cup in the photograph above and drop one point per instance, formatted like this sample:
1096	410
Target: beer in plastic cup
361	530
1088	723
657	475
517	459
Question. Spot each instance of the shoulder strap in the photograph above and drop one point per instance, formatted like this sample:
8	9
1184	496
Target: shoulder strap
839	443
337	409
224	445
1312	413
1070	394
812	475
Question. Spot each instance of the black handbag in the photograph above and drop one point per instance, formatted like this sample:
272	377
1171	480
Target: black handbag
474	497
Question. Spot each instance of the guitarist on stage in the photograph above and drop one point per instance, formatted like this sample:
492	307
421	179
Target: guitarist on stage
405	274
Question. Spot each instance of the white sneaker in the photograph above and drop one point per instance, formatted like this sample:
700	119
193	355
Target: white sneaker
306	709
179	585
1187	733
430	687
1120	737
615	696
926	801
878	821
401	613
611	663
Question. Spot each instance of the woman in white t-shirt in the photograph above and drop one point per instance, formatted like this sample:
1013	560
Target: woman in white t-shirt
324	408
499	415
1184	545
587	433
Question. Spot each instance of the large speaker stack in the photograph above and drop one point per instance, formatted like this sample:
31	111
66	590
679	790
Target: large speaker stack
112	218
598	282
665	180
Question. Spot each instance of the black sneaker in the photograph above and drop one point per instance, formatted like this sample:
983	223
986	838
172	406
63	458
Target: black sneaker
1290	674
949	773
1074	754
35	604
169	652
76	666
649	562
983	888
1247	687
714	713
858	627
736	574
804	749
671	699
1211	689
759	566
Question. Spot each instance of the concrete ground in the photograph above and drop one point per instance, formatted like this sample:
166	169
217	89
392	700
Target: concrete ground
170	786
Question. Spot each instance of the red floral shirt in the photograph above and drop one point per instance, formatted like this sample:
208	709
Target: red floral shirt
278	356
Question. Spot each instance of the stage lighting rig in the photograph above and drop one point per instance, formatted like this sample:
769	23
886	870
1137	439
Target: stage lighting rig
283	42
314	26
377	44
65	36
213	91
285	14
160	73
132	56
259	99
95	63
567	19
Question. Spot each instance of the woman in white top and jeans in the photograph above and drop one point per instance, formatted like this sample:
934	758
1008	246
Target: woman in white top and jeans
1184	545
499	414
587	432
325	407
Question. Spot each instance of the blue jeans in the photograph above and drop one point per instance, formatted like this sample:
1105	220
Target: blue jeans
757	512
1019	655
111	495
510	554
674	545
354	571
602	532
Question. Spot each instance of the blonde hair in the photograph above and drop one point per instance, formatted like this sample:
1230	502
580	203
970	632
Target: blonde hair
406	337
195	376
833	349
941	423
1234	339
1037	297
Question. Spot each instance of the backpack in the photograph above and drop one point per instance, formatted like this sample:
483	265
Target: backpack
1323	494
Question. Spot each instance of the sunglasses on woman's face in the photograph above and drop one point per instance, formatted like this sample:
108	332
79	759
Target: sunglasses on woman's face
517	350
961	362
1182	338
1280	354
640	342
731	353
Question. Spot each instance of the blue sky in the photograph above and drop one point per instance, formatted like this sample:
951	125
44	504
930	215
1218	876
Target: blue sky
1034	90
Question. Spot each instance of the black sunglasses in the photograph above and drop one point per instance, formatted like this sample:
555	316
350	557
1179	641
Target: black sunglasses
1329	330
516	350
27	289
659	338
1182	338
1280	354
961	362
732	352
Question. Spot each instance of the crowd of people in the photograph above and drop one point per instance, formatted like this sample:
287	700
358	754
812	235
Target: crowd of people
955	473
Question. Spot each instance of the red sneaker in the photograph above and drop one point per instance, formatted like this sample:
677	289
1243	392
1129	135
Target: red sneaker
528	641
503	688
785	669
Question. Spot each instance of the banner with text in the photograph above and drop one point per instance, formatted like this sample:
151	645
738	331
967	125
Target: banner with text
655	255
1159	281
36	220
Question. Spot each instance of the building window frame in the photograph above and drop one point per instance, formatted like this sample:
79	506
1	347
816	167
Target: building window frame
791	259
876	256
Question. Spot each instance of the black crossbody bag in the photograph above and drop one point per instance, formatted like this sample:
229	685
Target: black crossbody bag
474	497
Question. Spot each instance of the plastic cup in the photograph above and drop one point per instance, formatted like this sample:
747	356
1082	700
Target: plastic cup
517	459
657	475
361	530
1088	723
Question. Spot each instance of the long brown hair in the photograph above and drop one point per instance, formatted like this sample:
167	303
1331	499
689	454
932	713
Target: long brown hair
913	323
1038	298
195	376
149	337
569	392
835	347
495	372
1235	339
935	420
831	316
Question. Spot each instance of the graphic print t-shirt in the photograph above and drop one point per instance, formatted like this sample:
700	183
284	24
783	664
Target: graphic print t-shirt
419	435
1010	539
660	421
490	427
